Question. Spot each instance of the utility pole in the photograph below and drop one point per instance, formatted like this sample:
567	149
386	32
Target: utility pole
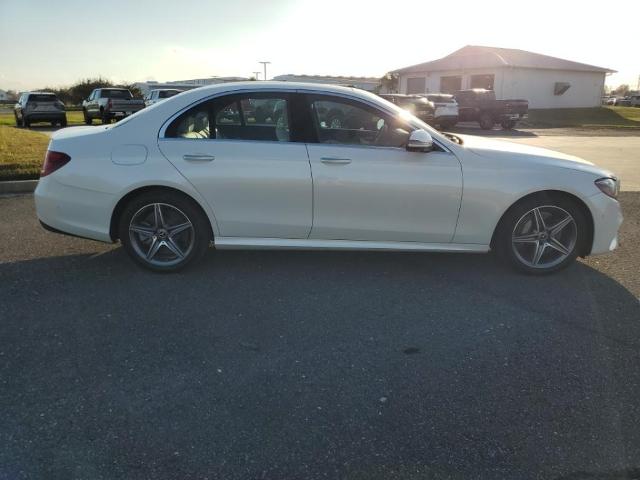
264	64
257	75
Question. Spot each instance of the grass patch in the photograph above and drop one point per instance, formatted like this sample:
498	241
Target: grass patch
21	153
73	118
597	117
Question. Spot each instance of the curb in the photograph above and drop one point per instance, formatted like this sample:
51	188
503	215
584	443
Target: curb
18	186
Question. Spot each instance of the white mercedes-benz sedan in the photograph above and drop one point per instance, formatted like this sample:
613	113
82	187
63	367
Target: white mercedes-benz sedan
300	166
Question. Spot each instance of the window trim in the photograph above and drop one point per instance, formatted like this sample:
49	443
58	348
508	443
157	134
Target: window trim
349	101
236	97
302	92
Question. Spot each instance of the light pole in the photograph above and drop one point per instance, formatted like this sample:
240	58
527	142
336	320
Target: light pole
257	75
264	64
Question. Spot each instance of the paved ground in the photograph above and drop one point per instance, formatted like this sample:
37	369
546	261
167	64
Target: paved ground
281	365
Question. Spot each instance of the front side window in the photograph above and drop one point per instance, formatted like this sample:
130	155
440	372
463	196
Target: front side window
341	121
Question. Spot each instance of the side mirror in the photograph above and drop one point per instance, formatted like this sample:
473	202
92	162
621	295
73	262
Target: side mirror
420	141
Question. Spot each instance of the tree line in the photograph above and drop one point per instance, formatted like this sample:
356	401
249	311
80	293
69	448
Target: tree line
79	91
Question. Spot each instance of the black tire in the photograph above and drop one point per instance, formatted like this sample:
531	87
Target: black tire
87	119
200	235
106	119
25	122
63	122
18	122
508	124
486	121
504	243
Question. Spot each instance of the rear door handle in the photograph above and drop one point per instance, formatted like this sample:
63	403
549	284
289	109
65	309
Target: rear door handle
335	160
198	158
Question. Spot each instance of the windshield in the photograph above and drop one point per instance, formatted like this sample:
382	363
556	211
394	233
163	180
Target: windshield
168	93
42	97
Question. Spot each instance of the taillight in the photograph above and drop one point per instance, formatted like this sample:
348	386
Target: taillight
53	161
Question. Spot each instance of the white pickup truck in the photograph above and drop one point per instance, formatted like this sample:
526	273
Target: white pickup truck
109	103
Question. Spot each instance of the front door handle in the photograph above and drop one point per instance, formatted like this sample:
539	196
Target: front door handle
198	158
335	160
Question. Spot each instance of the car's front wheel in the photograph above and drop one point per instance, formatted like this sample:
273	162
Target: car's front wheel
164	231
542	234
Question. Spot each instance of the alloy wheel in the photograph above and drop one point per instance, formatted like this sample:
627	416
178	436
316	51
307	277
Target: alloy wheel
544	237
161	234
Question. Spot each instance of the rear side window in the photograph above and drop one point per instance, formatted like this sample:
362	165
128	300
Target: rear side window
194	123
262	117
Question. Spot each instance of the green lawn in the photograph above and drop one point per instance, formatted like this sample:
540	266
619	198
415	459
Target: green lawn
73	118
598	117
21	153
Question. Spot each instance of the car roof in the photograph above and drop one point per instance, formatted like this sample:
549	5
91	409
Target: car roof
40	93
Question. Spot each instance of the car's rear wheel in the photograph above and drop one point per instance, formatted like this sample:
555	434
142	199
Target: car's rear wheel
106	119
25	122
87	119
542	234
486	121
508	124
18	122
63	122
164	231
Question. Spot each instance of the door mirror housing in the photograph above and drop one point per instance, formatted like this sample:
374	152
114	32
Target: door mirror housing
420	141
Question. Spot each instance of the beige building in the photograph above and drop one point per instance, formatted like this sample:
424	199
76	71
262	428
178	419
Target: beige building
546	82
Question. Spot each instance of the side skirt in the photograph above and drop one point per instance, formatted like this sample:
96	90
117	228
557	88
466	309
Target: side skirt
248	243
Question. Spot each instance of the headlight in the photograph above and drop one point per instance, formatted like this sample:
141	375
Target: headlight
609	186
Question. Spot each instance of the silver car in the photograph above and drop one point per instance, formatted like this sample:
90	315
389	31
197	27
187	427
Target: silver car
34	107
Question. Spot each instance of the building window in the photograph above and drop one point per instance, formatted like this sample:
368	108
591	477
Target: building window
450	84
416	85
482	81
561	87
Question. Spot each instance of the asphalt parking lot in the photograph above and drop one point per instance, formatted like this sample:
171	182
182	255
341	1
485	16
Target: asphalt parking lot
305	365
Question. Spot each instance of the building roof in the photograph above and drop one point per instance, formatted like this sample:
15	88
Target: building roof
473	56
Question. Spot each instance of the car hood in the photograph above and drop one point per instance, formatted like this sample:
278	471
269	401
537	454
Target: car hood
486	147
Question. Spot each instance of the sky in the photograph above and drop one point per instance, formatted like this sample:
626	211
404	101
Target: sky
57	42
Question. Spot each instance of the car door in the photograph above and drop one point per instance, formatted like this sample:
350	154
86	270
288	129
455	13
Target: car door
241	155
367	186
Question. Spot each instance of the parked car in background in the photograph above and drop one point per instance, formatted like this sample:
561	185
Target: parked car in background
623	102
480	105
446	114
109	103
634	101
34	107
159	94
199	168
417	105
608	100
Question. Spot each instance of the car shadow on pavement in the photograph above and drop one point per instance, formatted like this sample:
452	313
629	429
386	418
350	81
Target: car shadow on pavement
311	364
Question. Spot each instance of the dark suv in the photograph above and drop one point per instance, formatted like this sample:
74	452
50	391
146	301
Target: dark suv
33	107
416	104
